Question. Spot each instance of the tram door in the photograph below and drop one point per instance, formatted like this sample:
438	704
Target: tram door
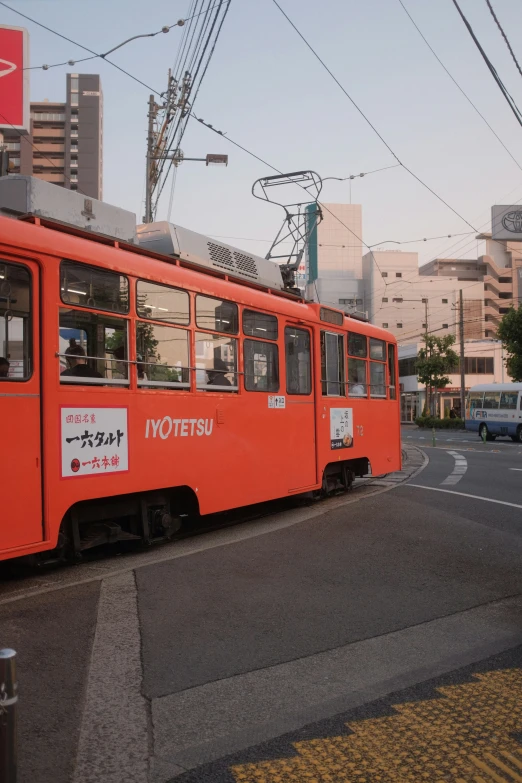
299	437
20	453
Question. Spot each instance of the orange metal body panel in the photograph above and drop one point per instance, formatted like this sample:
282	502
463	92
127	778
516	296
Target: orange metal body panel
252	452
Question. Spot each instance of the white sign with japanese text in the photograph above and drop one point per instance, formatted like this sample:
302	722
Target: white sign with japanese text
341	428
276	401
94	441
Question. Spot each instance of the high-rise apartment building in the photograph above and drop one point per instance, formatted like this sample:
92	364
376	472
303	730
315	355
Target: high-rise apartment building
65	142
334	258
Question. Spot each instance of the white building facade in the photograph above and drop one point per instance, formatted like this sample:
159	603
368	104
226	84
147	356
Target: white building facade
397	298
484	362
334	258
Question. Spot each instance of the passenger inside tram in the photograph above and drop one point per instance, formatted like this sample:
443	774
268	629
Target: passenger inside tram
77	363
216	376
4	367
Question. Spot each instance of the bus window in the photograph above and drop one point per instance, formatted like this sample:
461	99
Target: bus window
261	362
216	315
332	364
357	345
357	384
475	400
162	303
89	286
260	325
92	348
391	372
377	379
162	354
508	400
216	362
298	361
377	349
491	400
15	323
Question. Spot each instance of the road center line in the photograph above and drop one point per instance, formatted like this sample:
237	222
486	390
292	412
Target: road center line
461	466
516	469
464	495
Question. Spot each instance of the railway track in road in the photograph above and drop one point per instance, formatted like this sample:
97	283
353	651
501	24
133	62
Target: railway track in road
219	530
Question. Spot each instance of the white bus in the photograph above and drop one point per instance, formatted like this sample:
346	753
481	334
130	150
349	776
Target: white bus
495	409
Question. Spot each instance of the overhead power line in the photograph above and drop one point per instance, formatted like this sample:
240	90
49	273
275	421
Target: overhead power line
368	121
510	100
504	36
455	82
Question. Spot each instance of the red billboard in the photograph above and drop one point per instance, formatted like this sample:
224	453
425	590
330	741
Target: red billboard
14	78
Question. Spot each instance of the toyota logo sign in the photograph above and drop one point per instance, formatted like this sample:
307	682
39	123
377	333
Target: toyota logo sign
512	221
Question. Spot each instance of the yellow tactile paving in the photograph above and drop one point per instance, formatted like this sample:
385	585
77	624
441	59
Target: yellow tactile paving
463	736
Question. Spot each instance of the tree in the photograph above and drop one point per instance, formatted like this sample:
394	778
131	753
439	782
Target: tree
510	332
434	362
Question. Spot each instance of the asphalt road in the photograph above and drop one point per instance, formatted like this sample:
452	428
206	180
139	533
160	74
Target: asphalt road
208	659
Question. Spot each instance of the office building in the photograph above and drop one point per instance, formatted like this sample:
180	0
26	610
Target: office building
65	142
334	258
399	299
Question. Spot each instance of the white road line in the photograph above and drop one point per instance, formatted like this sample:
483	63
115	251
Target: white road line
516	469
465	495
113	742
461	466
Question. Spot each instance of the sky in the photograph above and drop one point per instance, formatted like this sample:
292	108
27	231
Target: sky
267	92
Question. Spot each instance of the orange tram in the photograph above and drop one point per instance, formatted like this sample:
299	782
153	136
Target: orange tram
150	374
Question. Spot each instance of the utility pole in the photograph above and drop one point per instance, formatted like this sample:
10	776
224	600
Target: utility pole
147	218
428	405
462	369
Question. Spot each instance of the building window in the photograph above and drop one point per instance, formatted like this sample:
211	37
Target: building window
479	365
358	301
162	303
424	326
399	326
384	299
385	326
397	299
15	322
261	362
74	99
74	84
504	280
332	364
398	274
445	326
384	274
89	286
298	361
503	310
217	315
504	296
407	367
444	301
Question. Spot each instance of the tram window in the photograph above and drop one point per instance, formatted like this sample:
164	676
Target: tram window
162	303
89	286
261	366
259	325
216	362
92	348
217	315
357	384
357	345
162	356
298	361
15	323
491	399
391	372
377	349
332	364
377	379
508	400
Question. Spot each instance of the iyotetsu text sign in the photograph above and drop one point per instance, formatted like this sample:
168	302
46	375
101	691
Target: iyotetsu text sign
14	78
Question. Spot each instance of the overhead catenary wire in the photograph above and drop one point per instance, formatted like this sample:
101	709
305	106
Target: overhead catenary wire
509	98
368	121
458	86
504	36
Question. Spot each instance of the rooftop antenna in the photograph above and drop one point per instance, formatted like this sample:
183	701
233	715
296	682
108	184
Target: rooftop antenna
300	219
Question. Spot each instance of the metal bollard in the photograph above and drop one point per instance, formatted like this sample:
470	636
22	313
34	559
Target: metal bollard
433	441
8	710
